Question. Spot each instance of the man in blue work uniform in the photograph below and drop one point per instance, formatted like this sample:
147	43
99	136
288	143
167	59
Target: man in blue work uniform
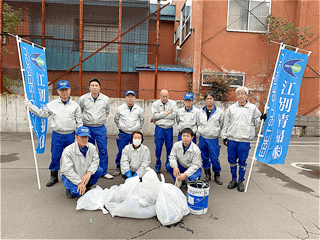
80	165
128	118
187	117
66	118
164	112
95	108
210	123
185	159
240	121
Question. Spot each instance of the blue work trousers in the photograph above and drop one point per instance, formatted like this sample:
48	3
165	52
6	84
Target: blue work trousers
162	135
58	143
238	150
195	176
194	139
210	151
74	188
123	140
99	135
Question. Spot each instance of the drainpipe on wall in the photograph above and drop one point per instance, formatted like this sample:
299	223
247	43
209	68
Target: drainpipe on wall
197	25
119	49
157	51
80	46
1	77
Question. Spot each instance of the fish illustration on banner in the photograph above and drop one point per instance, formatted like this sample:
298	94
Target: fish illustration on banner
36	84
282	107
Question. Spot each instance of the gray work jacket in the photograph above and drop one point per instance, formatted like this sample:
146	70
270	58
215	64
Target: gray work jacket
74	165
211	128
187	119
66	118
129	121
240	122
191	159
136	160
159	113
94	113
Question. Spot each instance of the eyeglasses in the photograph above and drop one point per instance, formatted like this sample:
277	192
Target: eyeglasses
241	94
164	96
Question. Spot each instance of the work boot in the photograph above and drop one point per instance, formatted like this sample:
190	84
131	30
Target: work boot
53	180
68	194
117	172
233	184
208	175
217	178
240	186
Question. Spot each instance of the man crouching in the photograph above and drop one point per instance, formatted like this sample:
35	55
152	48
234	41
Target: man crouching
185	159
80	165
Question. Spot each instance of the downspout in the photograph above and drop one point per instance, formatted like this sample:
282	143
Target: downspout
119	48
157	51
80	46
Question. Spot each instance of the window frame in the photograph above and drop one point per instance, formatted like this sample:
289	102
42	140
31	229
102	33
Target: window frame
108	49
183	25
204	84
248	18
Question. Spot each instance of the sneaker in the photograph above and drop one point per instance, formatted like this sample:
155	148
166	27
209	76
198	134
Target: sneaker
240	186
108	176
117	172
233	184
68	194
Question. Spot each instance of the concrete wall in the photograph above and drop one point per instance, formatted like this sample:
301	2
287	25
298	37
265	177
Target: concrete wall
14	116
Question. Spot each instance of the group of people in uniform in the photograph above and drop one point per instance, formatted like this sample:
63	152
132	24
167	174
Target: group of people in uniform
77	127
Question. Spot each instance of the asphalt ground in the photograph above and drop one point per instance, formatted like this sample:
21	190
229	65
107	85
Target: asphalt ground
282	201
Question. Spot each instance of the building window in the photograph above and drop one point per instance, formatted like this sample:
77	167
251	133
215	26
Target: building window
185	21
99	32
248	15
238	82
176	35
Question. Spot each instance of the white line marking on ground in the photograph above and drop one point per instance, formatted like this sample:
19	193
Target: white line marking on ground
304	163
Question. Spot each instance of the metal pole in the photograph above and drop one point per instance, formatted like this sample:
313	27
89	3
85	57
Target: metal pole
43	21
30	125
80	46
107	45
1	37
119	48
262	122
157	51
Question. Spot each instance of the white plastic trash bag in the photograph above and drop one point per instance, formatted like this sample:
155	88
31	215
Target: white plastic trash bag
171	204
132	199
93	200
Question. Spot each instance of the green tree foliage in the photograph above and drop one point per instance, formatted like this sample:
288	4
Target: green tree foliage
281	30
11	20
220	85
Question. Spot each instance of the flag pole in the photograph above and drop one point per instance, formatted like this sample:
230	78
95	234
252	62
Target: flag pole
282	46
30	125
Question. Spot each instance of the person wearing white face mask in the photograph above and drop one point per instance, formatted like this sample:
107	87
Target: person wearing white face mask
135	157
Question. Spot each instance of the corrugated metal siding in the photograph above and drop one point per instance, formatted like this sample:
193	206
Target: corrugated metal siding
61	21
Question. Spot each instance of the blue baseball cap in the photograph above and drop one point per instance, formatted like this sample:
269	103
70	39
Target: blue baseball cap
130	92
83	131
188	96
63	84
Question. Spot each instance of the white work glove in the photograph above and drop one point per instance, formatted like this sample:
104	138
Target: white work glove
27	103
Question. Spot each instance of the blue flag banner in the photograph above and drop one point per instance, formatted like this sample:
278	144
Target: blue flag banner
282	107
36	84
